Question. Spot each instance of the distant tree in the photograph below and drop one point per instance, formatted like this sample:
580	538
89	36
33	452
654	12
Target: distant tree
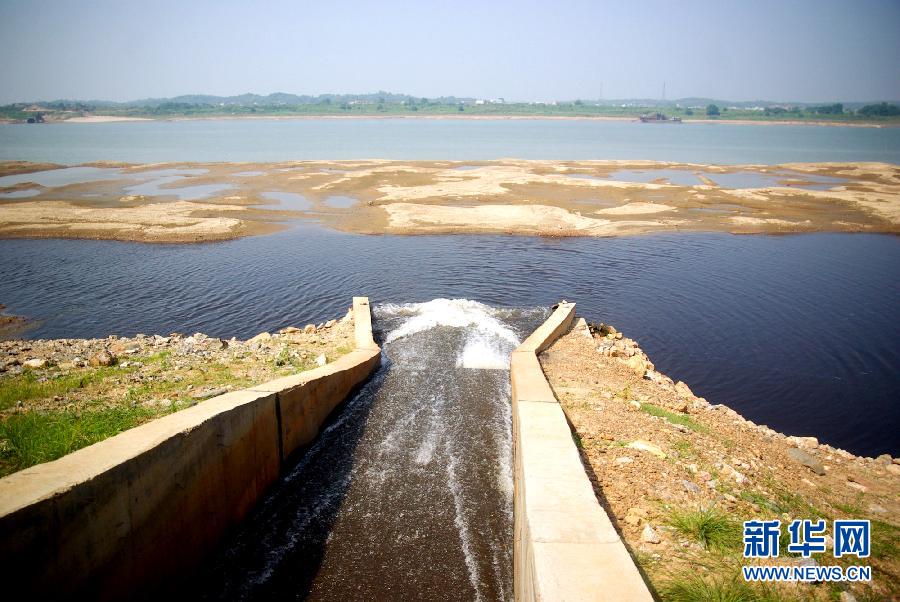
712	110
880	110
835	109
688	111
461	108
578	103
380	106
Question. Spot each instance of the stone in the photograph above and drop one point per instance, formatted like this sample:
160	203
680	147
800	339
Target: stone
857	486
894	469
804	442
260	338
884	459
877	509
690	487
847	597
683	390
124	347
321	360
309	329
637	364
209	393
648	535
330	323
35	363
801	457
634	403
102	359
647	447
624	460
289	330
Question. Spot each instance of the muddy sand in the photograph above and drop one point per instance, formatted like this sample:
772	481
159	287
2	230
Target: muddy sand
197	202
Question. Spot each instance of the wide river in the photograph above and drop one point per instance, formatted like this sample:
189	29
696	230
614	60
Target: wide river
798	332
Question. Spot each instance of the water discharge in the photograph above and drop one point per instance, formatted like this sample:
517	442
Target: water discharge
407	494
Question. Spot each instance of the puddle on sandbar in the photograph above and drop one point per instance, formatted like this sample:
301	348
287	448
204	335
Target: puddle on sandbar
340	202
154	188
249	174
467	167
287	200
752	179
63	176
20	194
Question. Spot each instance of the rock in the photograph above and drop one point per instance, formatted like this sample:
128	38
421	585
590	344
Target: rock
102	359
884	459
649	535
877	509
804	442
309	329
637	364
683	390
124	347
624	460
35	363
894	469
260	338
634	403
67	365
634	516
690	487
289	330
330	323
647	447
847	597
738	477
800	456
321	360
209	393
605	329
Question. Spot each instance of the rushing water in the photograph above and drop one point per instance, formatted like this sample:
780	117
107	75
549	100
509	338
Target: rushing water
407	494
798	332
442	139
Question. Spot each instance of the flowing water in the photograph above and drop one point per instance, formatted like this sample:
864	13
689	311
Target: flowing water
407	494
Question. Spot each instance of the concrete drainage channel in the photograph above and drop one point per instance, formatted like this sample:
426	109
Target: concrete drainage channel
406	493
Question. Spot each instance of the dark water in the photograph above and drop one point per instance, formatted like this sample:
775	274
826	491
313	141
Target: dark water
798	332
442	139
408	493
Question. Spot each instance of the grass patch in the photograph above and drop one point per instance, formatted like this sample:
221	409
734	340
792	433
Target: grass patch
710	527
697	589
28	385
674	418
36	437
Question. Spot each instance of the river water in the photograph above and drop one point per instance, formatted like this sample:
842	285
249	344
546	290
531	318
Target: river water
442	139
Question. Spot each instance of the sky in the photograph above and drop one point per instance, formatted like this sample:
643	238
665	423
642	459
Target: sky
794	50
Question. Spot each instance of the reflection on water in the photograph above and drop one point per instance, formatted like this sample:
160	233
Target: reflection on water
340	202
798	332
63	177
20	194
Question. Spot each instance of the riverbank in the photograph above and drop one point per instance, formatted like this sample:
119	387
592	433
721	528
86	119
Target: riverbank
677	475
57	396
195	202
457	116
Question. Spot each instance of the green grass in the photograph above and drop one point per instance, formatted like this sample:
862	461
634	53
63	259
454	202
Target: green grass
709	527
697	589
673	417
36	437
29	386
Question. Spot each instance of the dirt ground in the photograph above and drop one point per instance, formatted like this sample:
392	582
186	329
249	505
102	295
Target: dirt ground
546	198
653	450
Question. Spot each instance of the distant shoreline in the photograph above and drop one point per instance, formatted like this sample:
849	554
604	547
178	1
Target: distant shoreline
767	122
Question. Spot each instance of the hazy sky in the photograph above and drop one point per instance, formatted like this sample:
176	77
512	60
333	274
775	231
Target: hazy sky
804	50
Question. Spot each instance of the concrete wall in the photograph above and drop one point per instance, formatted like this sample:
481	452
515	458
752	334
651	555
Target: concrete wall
146	506
565	546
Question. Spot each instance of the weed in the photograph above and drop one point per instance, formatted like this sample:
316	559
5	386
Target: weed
673	418
710	527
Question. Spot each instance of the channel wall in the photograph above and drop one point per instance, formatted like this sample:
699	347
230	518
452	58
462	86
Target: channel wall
565	546
145	507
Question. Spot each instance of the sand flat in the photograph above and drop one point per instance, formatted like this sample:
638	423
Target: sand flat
547	198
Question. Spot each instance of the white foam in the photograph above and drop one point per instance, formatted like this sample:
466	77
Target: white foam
460	313
479	353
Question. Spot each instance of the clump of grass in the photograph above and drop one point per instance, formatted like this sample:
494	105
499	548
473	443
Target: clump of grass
697	589
710	527
682	419
28	385
36	437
